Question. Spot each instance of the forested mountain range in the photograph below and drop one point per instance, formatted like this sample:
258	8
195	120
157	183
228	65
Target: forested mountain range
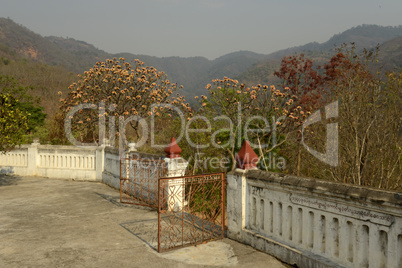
51	63
364	36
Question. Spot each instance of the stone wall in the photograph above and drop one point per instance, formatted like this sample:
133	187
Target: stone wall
314	223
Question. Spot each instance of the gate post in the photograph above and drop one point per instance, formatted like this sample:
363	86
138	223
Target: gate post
176	167
33	158
99	162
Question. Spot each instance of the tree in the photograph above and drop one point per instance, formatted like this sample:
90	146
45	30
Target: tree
13	123
261	114
369	119
306	82
124	91
26	103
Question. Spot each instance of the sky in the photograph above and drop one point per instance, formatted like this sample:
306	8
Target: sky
208	28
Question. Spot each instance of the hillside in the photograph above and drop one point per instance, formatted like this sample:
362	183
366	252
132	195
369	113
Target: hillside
391	54
194	73
74	55
77	56
45	80
22	50
364	36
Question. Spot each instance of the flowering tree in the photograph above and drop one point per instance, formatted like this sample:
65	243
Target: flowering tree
119	89
254	113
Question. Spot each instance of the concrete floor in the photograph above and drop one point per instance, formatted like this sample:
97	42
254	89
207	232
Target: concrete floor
60	223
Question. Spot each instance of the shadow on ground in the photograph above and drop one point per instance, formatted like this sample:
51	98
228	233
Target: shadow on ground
145	230
6	180
115	200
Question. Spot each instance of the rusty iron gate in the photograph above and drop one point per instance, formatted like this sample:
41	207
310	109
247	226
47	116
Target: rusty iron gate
191	210
139	181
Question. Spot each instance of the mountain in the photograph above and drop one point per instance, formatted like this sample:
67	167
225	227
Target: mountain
363	36
77	56
391	54
194	73
19	43
74	55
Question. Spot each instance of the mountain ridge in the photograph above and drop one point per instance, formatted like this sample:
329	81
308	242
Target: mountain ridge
191	72
366	36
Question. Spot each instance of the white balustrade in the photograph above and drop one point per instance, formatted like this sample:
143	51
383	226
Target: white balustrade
308	222
53	161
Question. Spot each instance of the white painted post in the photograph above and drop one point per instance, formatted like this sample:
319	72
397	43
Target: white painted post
131	147
99	162
176	167
236	202
32	158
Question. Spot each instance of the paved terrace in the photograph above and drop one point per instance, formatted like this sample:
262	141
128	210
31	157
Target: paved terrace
64	223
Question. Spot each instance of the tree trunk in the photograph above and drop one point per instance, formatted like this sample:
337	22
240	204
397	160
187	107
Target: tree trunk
298	159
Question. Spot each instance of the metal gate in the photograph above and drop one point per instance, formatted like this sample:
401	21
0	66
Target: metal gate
139	181
191	210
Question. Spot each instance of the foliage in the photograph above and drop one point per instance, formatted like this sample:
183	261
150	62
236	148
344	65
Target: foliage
256	113
13	122
368	123
304	80
125	92
205	199
41	80
26	104
369	119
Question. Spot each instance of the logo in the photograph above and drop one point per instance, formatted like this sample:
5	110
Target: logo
330	156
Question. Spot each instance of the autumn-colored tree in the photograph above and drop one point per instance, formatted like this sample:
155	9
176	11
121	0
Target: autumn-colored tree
368	119
370	148
120	91
306	82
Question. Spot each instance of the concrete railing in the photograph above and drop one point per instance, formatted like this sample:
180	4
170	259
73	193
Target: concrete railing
15	162
315	223
80	163
67	162
111	167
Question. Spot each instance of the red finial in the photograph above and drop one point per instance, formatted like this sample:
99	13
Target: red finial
246	158
173	150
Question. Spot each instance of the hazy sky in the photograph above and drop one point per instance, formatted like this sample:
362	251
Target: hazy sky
209	28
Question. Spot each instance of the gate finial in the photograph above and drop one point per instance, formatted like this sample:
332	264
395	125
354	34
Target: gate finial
246	158
173	150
